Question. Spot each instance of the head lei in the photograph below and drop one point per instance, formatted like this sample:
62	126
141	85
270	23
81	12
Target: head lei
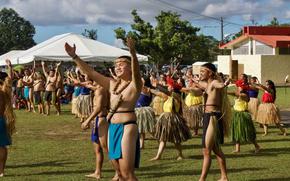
124	58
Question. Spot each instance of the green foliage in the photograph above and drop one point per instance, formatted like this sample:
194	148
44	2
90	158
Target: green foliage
171	40
16	32
91	33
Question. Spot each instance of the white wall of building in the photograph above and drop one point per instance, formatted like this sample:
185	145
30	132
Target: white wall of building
248	64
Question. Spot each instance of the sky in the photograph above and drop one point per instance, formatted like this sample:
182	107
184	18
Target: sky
54	17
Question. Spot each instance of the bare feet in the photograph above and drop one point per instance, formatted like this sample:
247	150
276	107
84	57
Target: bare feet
180	158
236	151
94	175
155	158
265	134
115	178
223	179
2	175
257	150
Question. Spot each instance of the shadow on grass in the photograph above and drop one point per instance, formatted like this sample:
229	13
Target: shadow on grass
273	179
56	163
194	172
61	172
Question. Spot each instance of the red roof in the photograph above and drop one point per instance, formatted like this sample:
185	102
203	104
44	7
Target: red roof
272	36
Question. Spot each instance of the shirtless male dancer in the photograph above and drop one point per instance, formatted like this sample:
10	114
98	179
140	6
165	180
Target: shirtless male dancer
124	92
28	89
213	130
38	89
50	86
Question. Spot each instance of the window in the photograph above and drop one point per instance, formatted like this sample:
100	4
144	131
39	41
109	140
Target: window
284	51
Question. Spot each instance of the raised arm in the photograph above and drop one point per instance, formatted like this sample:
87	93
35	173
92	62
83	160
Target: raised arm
112	74
92	74
43	69
136	76
10	69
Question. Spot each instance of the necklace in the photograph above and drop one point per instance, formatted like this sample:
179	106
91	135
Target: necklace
116	89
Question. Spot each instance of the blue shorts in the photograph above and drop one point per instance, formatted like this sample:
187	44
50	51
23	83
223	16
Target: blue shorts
26	92
4	137
115	138
95	132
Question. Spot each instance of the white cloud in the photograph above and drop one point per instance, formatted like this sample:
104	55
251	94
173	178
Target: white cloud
67	12
287	14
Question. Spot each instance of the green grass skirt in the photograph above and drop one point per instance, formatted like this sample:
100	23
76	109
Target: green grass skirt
243	129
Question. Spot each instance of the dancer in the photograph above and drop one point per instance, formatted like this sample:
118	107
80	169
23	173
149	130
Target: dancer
268	112
123	139
254	101
75	94
50	85
243	129
84	103
145	114
7	117
38	89
28	89
58	92
215	120
192	107
171	126
100	126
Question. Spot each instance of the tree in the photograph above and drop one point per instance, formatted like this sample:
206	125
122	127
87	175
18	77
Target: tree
172	39
274	22
92	34
16	32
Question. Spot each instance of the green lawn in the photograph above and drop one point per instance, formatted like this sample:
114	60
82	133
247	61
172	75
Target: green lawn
55	148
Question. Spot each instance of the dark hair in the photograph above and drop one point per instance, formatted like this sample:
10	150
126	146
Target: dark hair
125	57
273	88
147	82
210	66
3	76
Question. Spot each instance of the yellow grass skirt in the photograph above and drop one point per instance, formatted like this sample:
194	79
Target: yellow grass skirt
253	105
268	113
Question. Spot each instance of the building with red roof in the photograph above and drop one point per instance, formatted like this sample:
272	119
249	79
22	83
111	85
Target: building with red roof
260	51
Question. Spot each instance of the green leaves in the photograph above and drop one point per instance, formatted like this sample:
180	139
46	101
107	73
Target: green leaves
171	39
16	32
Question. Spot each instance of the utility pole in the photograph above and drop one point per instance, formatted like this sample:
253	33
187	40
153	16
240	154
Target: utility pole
222	30
222	33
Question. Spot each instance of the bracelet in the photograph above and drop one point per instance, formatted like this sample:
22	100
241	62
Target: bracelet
74	57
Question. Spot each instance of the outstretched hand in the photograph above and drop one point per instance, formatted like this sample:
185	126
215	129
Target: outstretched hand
8	62
85	125
131	43
71	51
42	63
58	64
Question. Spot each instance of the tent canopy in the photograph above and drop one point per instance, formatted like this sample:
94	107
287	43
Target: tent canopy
53	50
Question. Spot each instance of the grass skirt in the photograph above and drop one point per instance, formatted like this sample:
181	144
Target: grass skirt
253	105
74	105
268	113
84	106
193	115
171	127
145	119
157	104
243	129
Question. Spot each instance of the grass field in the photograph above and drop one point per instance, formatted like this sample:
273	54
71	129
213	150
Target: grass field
55	148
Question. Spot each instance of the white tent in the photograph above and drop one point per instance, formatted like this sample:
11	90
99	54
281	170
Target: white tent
53	50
